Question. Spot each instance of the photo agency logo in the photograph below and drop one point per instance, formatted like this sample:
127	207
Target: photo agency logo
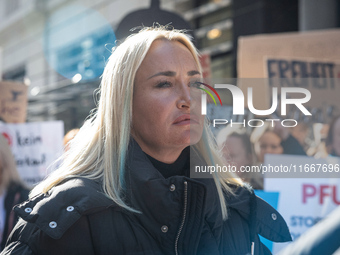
204	96
285	93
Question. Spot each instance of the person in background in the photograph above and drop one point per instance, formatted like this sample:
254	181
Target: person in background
12	191
268	143
69	136
238	150
300	133
275	140
333	138
289	143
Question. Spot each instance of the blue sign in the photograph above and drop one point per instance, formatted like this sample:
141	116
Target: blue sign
271	198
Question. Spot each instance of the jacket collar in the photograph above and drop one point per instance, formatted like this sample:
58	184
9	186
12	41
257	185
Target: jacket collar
153	195
145	184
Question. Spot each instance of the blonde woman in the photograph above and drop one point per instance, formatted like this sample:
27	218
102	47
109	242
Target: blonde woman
12	191
125	187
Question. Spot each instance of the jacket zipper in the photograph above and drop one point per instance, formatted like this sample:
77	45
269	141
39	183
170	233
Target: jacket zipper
184	214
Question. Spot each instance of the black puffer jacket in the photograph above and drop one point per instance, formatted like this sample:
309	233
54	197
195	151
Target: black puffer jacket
179	216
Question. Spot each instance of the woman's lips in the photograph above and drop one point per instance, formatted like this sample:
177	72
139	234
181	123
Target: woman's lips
186	119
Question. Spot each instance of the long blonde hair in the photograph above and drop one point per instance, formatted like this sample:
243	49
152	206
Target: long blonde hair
99	150
8	169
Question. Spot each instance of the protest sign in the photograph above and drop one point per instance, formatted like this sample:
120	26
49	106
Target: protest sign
252	50
13	101
35	146
302	201
319	77
321	46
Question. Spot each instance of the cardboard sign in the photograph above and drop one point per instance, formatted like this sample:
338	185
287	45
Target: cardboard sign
13	102
253	52
35	146
302	201
323	44
319	77
293	69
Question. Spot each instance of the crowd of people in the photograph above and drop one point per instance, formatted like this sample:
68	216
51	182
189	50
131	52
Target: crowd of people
243	148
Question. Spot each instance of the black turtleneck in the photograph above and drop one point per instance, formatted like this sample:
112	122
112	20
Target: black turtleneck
179	167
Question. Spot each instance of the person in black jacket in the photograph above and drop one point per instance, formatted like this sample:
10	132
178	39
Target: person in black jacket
125	187
12	191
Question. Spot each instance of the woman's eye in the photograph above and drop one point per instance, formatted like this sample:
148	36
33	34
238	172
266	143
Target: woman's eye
164	84
195	84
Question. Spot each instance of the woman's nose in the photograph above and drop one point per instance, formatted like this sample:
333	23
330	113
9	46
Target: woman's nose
184	97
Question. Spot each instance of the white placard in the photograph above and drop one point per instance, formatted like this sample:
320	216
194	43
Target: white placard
302	201
35	146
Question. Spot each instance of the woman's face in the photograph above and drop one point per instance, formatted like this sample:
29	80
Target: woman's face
336	137
166	110
270	143
234	149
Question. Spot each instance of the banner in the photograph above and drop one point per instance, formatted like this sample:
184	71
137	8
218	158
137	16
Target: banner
302	201
13	101
35	146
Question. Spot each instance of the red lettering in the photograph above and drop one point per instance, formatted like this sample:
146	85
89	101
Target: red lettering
334	196
323	193
308	190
